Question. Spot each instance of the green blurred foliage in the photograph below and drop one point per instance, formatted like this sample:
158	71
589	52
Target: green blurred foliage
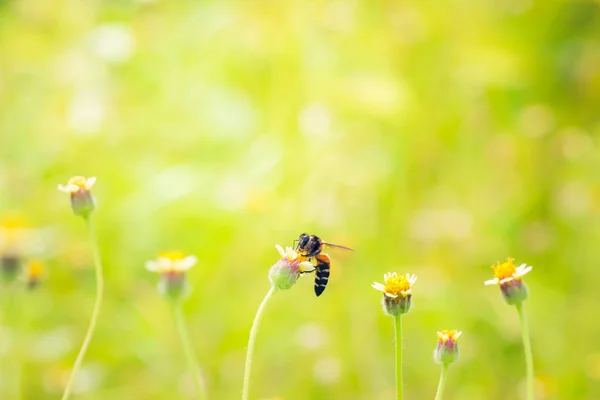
433	137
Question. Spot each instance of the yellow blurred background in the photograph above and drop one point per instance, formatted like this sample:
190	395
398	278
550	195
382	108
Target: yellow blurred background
435	138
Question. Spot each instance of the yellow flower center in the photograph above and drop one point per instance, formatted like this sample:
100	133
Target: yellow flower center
35	269
172	255
396	284
505	270
446	335
79	181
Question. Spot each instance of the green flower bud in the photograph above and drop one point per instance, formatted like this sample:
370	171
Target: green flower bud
285	272
446	351
172	267
10	267
397	306
82	201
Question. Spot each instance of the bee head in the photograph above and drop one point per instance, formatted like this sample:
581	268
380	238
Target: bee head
303	241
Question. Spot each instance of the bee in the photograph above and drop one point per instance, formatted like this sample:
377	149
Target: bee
311	246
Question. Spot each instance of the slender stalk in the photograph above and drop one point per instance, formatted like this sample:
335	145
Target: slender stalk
95	312
442	382
527	349
12	365
252	341
398	335
187	348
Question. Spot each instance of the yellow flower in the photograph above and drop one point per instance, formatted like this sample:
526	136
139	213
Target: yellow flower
286	271
507	271
448	335
171	262
34	272
77	183
82	201
172	267
396	285
446	351
290	255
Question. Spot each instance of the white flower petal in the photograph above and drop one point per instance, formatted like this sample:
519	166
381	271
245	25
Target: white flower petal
393	296
491	282
152	266
405	293
90	182
378	286
457	334
280	250
523	269
411	278
68	188
510	278
186	263
306	266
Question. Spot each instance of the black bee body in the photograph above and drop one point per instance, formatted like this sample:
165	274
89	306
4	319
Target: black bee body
311	246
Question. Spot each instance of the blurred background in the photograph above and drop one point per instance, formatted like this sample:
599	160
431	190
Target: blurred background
435	138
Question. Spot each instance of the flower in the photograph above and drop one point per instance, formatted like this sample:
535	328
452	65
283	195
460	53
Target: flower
285	272
34	270
172	267
506	272
397	292
508	277
82	201
13	235
446	351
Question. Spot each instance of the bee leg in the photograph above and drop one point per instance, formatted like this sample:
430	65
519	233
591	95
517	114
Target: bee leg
321	273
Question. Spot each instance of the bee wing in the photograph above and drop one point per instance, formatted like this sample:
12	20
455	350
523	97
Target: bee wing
337	246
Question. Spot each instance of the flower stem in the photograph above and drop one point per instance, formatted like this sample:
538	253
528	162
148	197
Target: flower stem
252	341
442	382
398	335
527	349
187	348
95	312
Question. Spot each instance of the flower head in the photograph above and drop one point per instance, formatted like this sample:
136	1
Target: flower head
82	201
13	238
34	270
508	277
397	292
446	351
172	267
285	272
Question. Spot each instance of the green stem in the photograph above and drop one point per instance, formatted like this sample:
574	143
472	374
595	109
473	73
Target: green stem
12	362
528	352
252	341
398	335
442	383
95	312
187	348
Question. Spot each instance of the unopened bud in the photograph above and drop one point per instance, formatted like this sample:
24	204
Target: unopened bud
172	267
82	201
286	271
446	351
10	267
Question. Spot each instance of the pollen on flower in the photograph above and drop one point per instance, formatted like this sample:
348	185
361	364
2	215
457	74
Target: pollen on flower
77	183
172	255
171	262
35	269
448	335
507	271
396	285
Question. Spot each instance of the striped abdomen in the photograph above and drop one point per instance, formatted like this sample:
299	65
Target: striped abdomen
321	273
